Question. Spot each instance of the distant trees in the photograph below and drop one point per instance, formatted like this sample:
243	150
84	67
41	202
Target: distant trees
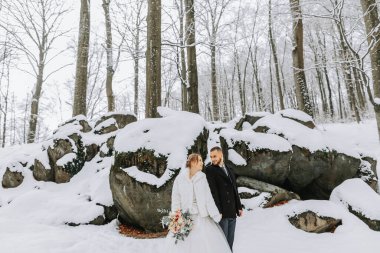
219	58
35	23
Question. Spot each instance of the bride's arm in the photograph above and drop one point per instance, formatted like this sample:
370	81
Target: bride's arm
176	198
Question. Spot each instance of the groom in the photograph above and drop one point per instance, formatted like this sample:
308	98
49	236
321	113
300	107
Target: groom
222	183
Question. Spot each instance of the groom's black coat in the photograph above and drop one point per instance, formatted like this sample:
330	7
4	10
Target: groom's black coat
224	190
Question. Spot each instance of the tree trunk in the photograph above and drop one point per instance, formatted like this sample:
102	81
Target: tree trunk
347	71
192	69
371	20
136	59
80	93
275	59
257	81
110	70
35	104
153	59
240	84
320	81
271	84
302	93
214	87
324	63
183	73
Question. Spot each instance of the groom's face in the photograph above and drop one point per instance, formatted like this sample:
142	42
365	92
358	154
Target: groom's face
216	157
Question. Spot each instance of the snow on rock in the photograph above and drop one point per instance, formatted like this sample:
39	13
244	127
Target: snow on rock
304	137
356	195
255	141
66	159
296	115
234	157
170	136
144	177
106	123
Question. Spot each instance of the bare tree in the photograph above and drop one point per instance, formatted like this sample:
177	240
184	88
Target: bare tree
130	27
275	58
211	20
153	59
191	56
302	93
34	26
110	70
82	60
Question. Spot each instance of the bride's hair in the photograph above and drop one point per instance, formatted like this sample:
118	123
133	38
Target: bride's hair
192	158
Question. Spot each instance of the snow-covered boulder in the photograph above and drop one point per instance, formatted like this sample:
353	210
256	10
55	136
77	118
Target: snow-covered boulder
298	116
319	162
310	221
359	199
265	157
77	121
249	118
149	155
112	122
255	193
66	152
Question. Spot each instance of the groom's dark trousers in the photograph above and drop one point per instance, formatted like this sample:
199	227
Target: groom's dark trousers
228	227
224	191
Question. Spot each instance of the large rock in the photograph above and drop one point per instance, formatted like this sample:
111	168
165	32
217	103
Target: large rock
146	164
260	156
12	179
360	199
274	194
313	223
314	175
318	163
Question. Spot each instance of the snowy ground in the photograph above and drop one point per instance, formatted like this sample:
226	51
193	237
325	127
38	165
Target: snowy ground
35	225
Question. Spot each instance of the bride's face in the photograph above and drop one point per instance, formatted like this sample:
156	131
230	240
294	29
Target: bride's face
198	165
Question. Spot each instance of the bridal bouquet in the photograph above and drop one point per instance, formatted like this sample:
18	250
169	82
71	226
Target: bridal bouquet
179	224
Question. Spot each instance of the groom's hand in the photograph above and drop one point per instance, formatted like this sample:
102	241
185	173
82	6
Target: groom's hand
240	213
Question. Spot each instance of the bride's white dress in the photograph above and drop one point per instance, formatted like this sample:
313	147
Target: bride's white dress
206	235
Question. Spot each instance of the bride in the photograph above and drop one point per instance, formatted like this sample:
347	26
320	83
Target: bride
192	192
